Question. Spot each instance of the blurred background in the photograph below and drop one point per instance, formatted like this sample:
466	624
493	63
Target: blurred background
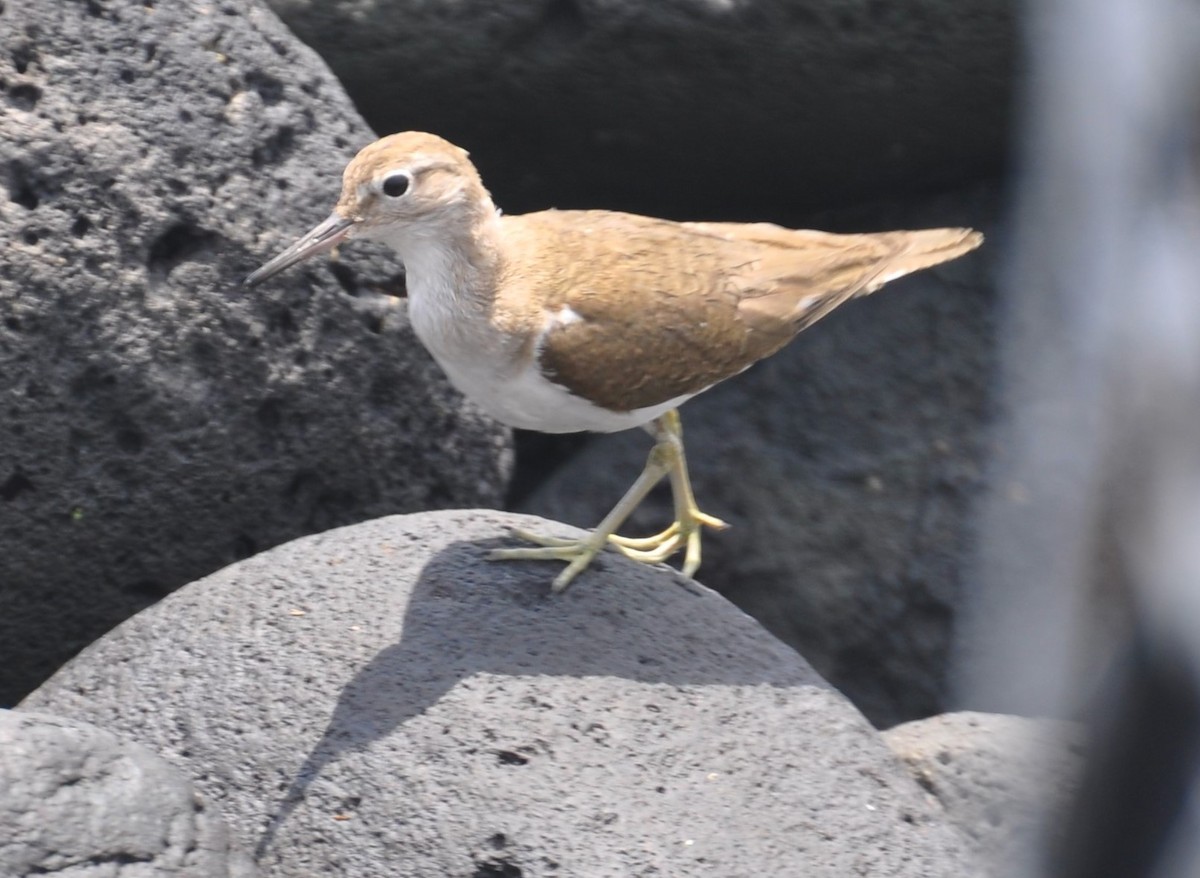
682	108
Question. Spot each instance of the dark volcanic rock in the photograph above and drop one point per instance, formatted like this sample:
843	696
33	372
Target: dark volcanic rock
847	465
77	800
695	109
380	700
159	421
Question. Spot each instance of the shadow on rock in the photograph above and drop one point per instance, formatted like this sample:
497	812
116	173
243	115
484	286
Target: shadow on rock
467	617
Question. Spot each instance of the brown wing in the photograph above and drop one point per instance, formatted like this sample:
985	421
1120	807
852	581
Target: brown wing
668	309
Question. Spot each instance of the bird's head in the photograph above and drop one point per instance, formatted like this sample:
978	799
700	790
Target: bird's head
403	190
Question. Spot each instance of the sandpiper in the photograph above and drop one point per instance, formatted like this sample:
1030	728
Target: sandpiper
571	320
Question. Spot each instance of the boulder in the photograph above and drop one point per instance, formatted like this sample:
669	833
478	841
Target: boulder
77	800
1003	780
159	421
381	700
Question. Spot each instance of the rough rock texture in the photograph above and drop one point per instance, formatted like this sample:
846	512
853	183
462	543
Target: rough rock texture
697	109
847	465
77	800
159	421
1002	779
380	700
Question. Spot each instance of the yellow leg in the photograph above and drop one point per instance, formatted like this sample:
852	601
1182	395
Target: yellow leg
666	459
684	532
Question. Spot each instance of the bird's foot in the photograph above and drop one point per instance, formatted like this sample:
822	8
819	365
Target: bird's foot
580	552
666	459
684	533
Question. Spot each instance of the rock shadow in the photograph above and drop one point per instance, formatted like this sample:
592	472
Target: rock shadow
468	616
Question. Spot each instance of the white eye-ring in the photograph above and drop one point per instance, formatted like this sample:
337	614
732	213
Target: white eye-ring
395	184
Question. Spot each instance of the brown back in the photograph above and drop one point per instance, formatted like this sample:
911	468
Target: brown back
669	309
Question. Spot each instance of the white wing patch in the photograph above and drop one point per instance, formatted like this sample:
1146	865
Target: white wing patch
566	316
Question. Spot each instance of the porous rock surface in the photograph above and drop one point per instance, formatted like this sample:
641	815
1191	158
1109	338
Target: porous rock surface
1003	780
160	421
847	465
79	801
381	700
693	109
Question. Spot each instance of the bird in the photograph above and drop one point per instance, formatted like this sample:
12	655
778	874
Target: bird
566	321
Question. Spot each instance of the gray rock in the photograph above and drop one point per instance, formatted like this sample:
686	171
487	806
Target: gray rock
78	801
1001	779
380	700
159	421
847	465
695	109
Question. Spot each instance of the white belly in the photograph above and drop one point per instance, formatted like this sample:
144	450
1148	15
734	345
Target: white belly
528	401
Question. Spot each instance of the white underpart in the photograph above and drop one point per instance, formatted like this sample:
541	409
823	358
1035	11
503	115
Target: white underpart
472	357
531	402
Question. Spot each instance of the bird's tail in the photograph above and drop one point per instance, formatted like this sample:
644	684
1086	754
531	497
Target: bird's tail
922	249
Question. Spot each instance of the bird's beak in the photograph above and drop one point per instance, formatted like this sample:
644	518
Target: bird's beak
324	237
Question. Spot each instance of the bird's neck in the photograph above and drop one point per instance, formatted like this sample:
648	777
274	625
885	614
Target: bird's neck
453	267
452	276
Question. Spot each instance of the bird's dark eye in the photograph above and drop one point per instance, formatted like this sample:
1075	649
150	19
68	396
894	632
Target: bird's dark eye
395	185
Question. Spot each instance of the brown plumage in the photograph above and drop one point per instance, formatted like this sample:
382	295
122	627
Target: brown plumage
698	302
